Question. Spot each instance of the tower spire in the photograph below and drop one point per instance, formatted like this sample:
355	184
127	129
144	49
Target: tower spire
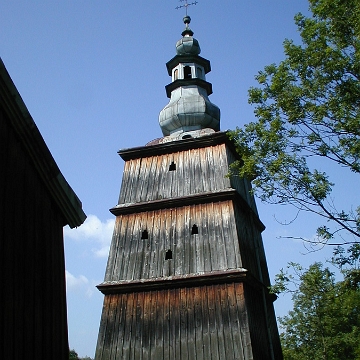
189	111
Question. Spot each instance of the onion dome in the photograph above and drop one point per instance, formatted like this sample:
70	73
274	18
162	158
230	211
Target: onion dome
189	111
187	45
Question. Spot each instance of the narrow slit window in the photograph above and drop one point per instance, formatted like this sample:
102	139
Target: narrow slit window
172	167
199	73
168	255
187	72
176	74
144	235
194	230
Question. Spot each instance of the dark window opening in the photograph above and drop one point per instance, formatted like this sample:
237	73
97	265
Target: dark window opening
194	230
172	167
187	72
168	255
176	74
187	136
144	235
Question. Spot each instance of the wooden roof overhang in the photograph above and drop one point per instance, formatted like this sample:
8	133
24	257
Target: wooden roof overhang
216	138
207	197
188	280
43	162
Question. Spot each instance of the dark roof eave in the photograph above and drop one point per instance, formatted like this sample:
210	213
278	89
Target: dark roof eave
44	163
188	82
188	59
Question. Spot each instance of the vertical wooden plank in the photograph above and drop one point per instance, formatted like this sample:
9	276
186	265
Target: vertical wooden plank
166	216
198	186
167	175
190	323
212	324
158	250
205	319
140	180
199	323
244	322
135	255
146	223
159	330
153	316
145	325
200	239
230	241
129	308
186	241
138	353
176	321
109	331
147	177
219	322
213	237
234	235
206	236
179	240
192	172
121	324
141	249
184	355
111	262
180	174
211	176
193	239
133	352
234	323
129	258
132	185
121	245
226	322
124	182
166	324
187	173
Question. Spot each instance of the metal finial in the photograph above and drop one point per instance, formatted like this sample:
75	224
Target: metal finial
186	5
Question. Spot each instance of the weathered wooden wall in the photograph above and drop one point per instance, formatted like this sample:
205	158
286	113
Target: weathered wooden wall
203	323
159	308
215	247
32	272
198	170
35	203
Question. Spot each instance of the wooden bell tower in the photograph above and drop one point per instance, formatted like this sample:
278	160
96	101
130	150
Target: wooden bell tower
186	276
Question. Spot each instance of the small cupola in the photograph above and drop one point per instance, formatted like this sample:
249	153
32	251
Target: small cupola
189	108
187	45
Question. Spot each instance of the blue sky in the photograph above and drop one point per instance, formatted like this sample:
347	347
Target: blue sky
92	74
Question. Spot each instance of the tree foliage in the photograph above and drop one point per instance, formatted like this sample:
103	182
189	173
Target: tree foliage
308	107
325	320
73	355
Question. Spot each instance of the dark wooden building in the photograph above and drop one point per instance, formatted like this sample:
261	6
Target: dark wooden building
35	203
186	276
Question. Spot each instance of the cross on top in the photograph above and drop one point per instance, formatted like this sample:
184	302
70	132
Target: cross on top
186	5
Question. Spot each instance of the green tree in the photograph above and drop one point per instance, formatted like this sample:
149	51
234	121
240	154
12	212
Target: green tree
73	355
325	320
308	108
